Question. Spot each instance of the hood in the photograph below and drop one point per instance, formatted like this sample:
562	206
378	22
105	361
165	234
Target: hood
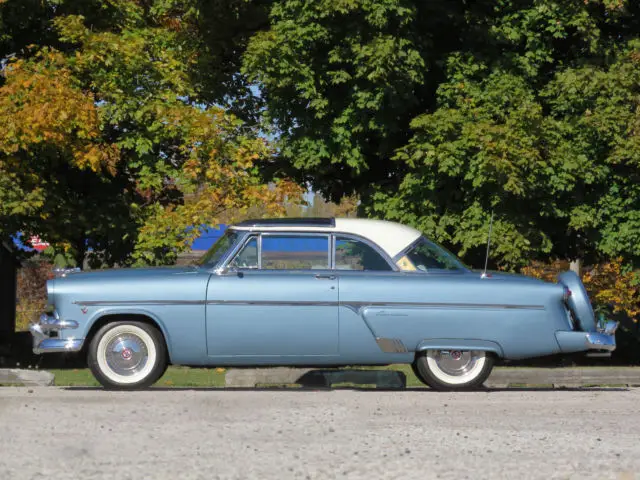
127	285
91	280
126	273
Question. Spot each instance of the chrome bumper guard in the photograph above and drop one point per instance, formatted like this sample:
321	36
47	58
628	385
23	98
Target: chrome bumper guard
604	338
43	342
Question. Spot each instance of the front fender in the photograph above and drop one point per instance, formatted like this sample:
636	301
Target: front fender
101	313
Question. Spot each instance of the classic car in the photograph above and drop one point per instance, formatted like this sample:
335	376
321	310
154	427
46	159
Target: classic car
316	292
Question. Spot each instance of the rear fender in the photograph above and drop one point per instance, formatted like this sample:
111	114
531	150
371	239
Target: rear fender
578	301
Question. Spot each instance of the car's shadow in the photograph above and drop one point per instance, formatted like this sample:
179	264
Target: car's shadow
306	389
362	380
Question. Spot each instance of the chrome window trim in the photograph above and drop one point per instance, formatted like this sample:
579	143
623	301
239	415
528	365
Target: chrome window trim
385	256
246	240
259	234
326	235
404	251
332	253
231	252
331	250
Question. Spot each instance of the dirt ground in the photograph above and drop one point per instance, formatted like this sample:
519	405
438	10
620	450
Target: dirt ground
279	434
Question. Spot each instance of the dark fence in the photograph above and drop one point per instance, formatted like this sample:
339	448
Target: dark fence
8	276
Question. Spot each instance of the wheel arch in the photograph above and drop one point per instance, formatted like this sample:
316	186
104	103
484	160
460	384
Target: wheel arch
110	317
488	346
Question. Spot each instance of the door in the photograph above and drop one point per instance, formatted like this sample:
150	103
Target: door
279	300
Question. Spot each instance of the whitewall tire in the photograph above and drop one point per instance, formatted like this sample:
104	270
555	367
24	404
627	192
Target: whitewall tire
453	369
127	355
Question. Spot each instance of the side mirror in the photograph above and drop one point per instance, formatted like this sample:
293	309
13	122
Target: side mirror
228	270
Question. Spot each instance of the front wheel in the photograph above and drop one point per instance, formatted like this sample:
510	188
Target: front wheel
127	355
453	369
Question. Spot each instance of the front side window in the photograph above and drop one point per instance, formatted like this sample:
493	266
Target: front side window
425	255
353	254
248	256
288	252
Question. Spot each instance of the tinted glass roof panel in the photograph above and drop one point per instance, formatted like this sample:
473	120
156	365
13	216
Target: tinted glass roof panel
294	222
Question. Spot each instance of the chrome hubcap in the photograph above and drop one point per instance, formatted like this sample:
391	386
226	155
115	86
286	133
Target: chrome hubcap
126	354
455	362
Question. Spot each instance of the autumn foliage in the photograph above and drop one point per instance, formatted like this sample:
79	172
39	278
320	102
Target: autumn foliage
108	149
42	104
32	292
613	288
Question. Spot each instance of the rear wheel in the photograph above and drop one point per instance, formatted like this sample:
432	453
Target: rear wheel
453	369
127	355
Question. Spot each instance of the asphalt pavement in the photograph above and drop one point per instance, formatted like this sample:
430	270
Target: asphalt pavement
54	433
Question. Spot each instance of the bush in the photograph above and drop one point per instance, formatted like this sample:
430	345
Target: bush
31	291
614	290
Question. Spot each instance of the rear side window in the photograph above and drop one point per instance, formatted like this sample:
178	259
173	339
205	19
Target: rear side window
353	254
287	252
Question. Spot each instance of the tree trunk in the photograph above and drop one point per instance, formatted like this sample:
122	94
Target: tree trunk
576	266
80	252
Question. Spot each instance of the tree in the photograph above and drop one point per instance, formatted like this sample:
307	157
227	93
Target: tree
439	114
109	139
341	81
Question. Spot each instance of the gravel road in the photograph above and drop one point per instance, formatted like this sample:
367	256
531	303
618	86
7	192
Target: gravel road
50	433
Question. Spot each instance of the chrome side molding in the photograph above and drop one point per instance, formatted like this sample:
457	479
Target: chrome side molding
391	345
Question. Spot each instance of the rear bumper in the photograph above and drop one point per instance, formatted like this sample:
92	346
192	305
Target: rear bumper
45	335
603	339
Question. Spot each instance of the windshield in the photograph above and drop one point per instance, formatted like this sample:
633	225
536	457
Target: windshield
219	248
425	255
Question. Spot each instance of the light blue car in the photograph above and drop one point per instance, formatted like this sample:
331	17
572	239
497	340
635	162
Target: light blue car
316	292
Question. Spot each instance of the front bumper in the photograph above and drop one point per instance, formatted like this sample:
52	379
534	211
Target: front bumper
603	339
45	335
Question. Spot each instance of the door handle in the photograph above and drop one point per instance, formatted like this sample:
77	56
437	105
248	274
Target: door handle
325	276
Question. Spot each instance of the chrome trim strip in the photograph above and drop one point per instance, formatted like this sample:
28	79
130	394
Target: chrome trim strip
274	303
332	253
491	306
355	306
93	303
352	305
391	345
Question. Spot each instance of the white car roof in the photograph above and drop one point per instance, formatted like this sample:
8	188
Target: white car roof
389	236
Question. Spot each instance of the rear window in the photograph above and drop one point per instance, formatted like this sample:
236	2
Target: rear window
426	255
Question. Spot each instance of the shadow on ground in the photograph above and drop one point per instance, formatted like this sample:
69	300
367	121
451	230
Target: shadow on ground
303	389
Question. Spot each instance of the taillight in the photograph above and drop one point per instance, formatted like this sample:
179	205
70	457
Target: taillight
567	294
